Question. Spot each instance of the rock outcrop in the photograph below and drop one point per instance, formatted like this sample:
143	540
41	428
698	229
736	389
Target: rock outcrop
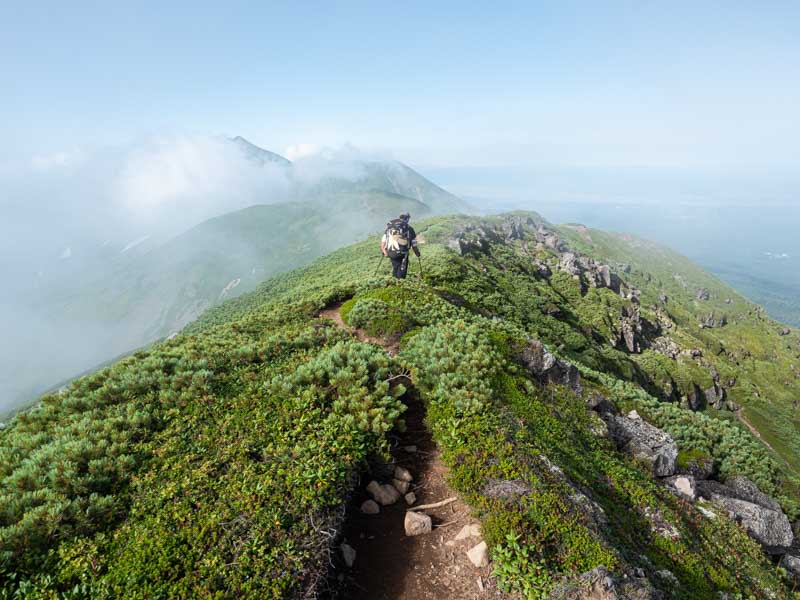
547	368
643	441
760	515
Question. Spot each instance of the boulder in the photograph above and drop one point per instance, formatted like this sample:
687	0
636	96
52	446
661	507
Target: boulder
682	486
400	486
785	331
769	528
417	523
549	369
702	294
479	555
384	494
370	507
643	441
759	514
402	473
792	564
738	487
747	490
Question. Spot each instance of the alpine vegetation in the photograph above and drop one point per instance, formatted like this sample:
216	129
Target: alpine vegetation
619	422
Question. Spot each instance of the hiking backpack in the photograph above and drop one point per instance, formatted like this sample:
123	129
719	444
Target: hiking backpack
397	242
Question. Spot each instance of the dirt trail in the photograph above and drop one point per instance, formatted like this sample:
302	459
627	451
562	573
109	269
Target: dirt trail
390	565
752	429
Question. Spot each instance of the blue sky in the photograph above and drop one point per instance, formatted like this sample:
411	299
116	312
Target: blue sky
709	86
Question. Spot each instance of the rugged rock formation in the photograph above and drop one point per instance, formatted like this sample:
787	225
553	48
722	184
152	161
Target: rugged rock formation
666	346
643	441
549	369
711	320
702	294
715	396
760	515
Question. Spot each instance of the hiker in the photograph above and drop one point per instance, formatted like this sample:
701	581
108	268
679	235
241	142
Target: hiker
398	239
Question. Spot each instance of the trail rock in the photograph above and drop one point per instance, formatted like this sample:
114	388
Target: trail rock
549	369
348	554
400	486
410	498
384	494
644	441
468	531
683	486
402	474
479	555
370	507
417	523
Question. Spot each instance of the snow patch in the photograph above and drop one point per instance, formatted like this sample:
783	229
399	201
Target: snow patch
134	243
229	287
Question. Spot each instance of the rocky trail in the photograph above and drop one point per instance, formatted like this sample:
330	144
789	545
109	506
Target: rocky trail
397	547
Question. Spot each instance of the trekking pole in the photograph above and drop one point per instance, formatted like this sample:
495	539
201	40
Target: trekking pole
380	262
421	274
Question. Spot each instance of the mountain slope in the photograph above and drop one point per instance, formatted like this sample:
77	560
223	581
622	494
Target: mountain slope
122	300
219	463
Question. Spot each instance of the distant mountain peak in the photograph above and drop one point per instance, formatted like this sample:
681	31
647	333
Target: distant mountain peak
257	153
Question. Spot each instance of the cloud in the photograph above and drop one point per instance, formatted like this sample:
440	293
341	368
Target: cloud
298	151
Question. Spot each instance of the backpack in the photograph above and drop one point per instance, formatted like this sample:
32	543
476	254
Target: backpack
397	242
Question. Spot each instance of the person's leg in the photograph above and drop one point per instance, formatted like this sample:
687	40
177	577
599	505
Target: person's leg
403	267
397	264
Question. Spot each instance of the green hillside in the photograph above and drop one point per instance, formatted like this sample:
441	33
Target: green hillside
217	464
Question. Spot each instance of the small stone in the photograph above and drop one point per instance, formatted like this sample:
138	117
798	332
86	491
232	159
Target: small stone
634	415
410	449
683	486
348	554
479	555
384	494
709	514
417	523
402	474
370	507
468	531
410	497
400	486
